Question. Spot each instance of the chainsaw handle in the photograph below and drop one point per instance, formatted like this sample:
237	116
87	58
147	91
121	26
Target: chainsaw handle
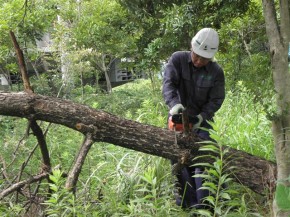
177	119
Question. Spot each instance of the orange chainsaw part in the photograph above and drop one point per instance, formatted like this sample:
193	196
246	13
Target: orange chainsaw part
176	126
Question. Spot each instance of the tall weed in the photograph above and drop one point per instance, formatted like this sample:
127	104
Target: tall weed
222	199
243	124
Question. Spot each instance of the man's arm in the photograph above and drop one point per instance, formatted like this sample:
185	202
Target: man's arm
171	81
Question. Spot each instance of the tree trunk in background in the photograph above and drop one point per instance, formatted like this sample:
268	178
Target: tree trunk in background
105	70
278	36
66	71
67	80
256	173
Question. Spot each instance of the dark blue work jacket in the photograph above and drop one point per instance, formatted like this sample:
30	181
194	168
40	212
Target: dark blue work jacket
200	90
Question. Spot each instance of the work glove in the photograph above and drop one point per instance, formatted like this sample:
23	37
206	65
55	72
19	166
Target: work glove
197	125
178	108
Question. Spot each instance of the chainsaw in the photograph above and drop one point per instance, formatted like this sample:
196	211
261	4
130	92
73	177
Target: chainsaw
176	122
181	123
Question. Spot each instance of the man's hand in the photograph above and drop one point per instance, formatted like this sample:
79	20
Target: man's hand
197	125
178	108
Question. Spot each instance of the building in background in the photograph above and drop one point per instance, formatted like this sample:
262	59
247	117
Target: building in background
123	71
4	84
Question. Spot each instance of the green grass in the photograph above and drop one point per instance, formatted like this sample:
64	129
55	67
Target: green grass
243	124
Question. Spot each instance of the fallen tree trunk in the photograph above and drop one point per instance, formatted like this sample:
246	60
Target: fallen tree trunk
256	173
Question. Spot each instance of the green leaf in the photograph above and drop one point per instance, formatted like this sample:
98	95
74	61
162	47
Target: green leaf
54	188
283	197
210	184
204	213
53	178
225	196
212	148
215	137
203	165
209	189
210	199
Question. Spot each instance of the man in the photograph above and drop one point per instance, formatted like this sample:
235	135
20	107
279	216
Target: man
192	80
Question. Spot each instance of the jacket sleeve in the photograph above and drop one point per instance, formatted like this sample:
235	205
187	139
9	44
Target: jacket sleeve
216	96
171	80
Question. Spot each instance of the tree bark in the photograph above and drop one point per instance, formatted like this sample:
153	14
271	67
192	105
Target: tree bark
256	173
278	33
22	65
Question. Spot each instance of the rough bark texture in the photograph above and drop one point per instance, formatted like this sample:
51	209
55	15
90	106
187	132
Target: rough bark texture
278	33
256	173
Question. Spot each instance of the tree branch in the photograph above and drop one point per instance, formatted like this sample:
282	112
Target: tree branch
19	185
42	144
33	124
46	167
75	171
22	66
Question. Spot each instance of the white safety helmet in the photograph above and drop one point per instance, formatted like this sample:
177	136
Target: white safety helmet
205	43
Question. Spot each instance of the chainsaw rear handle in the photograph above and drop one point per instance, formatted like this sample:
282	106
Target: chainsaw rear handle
177	119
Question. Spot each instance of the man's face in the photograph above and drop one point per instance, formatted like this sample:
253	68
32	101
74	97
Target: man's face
199	61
